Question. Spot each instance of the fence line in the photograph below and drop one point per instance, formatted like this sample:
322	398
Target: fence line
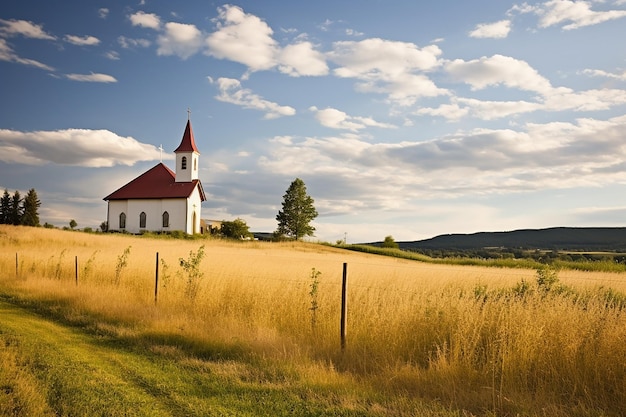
343	325
420	270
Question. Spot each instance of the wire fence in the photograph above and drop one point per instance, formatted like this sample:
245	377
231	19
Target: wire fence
411	269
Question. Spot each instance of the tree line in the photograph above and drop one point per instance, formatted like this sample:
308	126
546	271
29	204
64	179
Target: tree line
16	210
294	219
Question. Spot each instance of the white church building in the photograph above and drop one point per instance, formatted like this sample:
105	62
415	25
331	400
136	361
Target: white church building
160	200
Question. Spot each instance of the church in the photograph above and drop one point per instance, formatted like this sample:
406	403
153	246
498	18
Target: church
160	200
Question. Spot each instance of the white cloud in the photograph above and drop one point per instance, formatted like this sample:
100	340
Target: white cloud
230	91
389	57
301	59
516	74
127	43
601	73
92	78
336	119
497	70
573	14
482	161
590	100
7	54
481	109
78	147
25	28
388	67
355	33
103	12
112	55
243	38
146	20
497	30
451	111
179	39
82	40
560	99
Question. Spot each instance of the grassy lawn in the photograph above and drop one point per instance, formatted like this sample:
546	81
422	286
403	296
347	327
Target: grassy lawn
52	369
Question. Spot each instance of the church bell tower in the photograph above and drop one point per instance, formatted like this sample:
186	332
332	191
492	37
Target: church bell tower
187	156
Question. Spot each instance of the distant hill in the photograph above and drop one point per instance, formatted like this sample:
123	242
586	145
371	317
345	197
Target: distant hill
555	238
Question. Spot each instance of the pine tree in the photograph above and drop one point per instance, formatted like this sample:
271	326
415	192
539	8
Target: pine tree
297	213
30	215
16	209
5	208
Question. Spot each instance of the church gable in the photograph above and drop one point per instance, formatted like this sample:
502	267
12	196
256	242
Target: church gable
158	182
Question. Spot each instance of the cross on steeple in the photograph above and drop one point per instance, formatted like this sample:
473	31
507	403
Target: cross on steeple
188	113
161	149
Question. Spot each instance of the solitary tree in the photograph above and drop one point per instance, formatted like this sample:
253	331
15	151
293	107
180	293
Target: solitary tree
73	224
30	215
237	229
5	208
389	242
297	213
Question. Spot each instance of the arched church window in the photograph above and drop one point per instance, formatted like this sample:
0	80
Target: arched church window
195	164
183	163
166	219
142	220
122	220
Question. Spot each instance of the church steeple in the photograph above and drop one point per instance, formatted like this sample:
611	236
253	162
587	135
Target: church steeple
187	156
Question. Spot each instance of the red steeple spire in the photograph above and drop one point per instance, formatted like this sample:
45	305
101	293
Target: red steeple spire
188	144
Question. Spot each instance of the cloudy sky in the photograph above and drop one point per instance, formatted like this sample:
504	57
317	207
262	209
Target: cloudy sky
403	118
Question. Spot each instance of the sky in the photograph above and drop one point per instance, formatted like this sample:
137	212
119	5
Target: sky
403	118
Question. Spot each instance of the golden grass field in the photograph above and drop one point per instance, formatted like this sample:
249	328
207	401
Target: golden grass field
457	335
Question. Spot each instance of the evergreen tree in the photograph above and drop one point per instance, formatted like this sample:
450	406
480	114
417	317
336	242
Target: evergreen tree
5	208
16	209
30	215
297	213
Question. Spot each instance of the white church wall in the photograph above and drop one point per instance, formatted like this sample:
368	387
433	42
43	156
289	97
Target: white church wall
154	208
116	207
176	208
195	206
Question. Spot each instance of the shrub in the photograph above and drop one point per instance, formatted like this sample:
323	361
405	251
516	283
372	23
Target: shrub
191	266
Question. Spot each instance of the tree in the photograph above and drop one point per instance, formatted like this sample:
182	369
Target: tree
297	213
237	229
5	208
30	214
16	209
390	243
73	224
104	226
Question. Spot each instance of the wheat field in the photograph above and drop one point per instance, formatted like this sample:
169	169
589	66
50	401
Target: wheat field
487	340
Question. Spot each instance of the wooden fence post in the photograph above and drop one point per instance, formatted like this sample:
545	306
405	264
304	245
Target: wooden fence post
76	268
17	273
344	306
156	279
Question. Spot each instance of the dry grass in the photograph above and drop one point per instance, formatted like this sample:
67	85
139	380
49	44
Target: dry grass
460	335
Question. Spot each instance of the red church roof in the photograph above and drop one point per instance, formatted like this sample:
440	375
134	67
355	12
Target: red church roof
158	182
188	144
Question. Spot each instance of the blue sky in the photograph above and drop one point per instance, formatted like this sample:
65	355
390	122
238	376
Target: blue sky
409	119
